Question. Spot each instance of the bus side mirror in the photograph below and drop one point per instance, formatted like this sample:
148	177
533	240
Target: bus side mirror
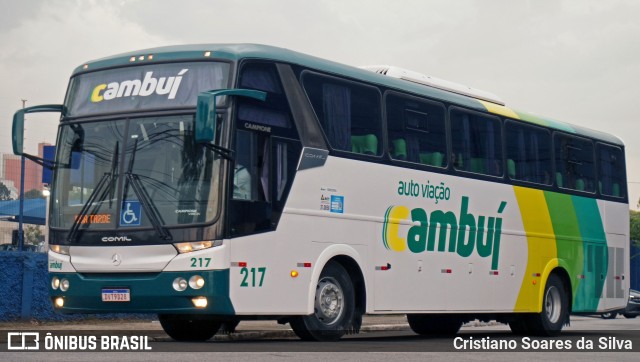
17	130
206	121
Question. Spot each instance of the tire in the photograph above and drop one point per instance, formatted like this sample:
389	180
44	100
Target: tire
609	315
629	315
334	307
520	326
555	310
434	324
189	327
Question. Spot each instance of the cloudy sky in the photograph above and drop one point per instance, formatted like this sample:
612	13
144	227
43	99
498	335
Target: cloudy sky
571	60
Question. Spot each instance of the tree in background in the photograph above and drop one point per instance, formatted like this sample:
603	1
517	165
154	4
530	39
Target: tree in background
634	230
33	194
33	235
5	194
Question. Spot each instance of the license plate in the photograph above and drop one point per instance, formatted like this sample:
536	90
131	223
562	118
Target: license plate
116	295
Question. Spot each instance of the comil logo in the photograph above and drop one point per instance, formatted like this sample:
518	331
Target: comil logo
428	232
136	87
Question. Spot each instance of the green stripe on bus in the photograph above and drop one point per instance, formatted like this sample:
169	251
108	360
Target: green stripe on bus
545	122
595	254
568	238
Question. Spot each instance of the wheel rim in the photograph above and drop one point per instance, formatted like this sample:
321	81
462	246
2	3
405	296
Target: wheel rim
329	301
553	304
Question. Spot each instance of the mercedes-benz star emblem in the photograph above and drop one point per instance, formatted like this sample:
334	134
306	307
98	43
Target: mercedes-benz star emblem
116	259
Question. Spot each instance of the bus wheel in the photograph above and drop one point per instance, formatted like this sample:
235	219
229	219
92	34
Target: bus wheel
609	315
434	324
555	309
184	327
334	307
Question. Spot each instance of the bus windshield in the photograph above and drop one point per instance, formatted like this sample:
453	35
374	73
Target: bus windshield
128	172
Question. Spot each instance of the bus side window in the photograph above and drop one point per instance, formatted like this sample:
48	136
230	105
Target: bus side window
476	142
349	113
416	130
266	151
575	163
528	153
611	171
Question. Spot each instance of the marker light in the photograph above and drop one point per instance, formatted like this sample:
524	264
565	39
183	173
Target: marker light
55	283
207	54
199	302
294	273
132	59
150	57
180	284
86	66
141	57
196	282
59	302
64	285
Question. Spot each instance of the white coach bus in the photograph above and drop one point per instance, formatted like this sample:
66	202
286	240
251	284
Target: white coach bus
215	183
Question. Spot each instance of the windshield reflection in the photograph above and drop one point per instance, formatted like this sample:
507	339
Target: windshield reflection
172	171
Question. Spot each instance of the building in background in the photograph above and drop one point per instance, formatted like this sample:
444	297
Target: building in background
10	177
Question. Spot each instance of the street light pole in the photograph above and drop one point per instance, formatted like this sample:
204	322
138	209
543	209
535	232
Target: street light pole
20	215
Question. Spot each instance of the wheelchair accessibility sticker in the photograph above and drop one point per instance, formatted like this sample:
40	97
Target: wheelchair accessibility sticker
130	214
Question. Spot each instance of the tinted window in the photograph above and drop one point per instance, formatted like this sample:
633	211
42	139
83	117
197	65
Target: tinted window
574	163
476	143
611	170
528	153
349	113
416	130
271	115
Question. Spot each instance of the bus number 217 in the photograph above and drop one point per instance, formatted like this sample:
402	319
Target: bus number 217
251	281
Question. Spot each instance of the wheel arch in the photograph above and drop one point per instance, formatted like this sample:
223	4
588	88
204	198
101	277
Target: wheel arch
558	267
351	260
566	282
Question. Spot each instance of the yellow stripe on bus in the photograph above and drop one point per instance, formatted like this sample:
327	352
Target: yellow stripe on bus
541	246
498	109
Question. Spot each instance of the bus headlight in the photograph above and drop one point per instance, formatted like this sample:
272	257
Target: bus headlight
64	285
180	284
196	245
196	282
55	283
60	249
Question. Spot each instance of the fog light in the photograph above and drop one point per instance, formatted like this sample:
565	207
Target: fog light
196	282
59	302
294	273
180	284
64	285
55	283
199	302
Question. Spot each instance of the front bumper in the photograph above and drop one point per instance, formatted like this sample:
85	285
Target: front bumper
150	293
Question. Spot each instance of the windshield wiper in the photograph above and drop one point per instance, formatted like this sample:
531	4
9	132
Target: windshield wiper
225	153
147	204
104	180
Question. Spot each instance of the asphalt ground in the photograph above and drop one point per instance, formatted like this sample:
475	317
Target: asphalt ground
251	329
